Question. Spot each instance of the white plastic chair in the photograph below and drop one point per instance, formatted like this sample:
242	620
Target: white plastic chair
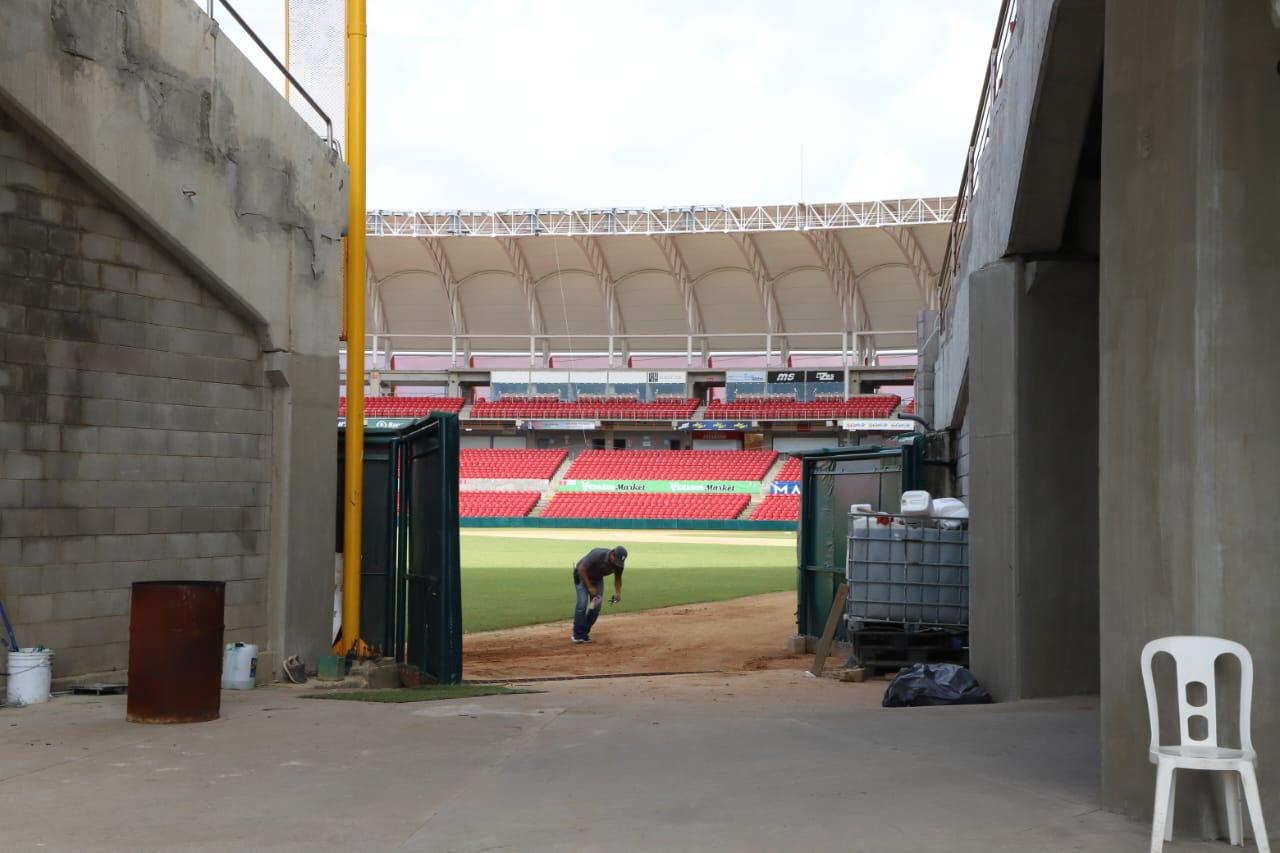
1194	659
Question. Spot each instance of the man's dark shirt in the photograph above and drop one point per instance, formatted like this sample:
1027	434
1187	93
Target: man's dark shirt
596	564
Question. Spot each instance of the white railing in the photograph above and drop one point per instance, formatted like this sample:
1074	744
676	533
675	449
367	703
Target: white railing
666	220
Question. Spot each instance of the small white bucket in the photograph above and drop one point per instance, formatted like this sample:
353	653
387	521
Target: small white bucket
239	666
30	674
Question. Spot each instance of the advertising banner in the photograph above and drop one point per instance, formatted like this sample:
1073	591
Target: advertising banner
807	377
784	487
744	376
680	487
713	426
563	424
382	423
877	425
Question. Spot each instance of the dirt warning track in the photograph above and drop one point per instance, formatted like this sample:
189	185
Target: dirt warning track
725	636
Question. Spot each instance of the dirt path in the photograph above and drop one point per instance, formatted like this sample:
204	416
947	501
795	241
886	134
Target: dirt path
725	636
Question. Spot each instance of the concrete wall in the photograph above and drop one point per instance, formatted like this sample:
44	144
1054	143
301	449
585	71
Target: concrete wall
1190	360
135	424
1033	496
170	129
991	209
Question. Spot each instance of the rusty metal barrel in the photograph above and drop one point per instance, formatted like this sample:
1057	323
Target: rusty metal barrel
175	651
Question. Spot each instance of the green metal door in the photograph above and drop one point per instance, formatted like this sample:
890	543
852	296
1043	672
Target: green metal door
428	547
831	481
377	540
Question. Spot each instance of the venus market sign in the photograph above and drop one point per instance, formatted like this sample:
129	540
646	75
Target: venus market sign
877	425
679	487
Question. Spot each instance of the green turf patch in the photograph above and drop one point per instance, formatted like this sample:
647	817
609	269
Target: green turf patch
509	581
426	693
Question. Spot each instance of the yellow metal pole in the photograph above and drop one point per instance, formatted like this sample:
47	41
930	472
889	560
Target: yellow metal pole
354	286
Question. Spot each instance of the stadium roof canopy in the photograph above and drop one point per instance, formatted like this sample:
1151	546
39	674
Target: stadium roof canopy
713	279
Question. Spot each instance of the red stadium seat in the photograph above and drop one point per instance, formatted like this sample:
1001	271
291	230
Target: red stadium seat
404	407
672	465
644	505
496	504
864	406
789	472
778	508
514	464
604	408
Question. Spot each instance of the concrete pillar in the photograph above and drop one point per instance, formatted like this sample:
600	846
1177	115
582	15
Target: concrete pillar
1033	414
1190	363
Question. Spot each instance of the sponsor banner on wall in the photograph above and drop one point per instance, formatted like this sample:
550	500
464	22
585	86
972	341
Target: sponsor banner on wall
806	377
713	426
784	487
551	423
744	376
382	423
680	487
664	377
877	425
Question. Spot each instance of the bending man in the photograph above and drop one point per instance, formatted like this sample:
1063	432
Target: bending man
588	580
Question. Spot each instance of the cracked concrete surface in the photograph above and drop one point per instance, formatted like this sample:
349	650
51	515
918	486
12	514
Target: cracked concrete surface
756	761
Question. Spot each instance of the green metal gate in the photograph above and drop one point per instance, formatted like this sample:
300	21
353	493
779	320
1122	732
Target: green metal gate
411	599
831	481
429	549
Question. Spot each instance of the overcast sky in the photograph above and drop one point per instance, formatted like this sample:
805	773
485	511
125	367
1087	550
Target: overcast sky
560	103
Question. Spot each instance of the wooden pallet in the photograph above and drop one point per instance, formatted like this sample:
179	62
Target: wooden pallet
888	648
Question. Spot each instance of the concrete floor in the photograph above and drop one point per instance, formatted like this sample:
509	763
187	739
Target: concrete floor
758	761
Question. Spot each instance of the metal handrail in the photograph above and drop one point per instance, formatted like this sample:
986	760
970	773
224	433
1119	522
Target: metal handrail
210	6
991	85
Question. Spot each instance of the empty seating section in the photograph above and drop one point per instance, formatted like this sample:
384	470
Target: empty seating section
622	505
496	504
671	465
778	508
865	406
605	408
789	472
509	464
404	407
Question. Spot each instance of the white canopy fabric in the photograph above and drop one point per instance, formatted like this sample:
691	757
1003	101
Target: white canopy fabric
798	276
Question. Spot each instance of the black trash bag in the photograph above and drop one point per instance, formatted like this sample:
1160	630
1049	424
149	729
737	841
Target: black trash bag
934	684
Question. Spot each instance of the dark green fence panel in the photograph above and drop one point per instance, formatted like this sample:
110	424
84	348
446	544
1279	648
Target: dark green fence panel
411	599
832	480
433	588
377	539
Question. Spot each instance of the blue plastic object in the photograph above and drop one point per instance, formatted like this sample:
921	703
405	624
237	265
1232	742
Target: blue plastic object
4	617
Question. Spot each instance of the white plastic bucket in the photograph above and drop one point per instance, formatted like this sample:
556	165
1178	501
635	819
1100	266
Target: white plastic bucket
239	666
30	674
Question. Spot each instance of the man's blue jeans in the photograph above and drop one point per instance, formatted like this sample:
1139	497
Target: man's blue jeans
583	618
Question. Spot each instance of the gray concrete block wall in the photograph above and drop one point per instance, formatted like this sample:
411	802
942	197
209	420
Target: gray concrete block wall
135	422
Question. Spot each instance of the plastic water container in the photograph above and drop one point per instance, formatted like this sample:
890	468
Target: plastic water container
30	675
916	502
951	513
239	666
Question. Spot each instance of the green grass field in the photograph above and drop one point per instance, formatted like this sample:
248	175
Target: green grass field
512	580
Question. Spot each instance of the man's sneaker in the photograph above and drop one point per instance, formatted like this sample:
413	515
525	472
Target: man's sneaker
581	639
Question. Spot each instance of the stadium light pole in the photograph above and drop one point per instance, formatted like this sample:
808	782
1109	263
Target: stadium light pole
353	293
